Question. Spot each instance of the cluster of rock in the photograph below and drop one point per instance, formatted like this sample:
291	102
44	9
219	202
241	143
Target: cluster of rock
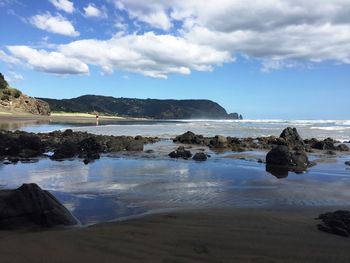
286	152
337	223
68	144
30	206
182	153
287	138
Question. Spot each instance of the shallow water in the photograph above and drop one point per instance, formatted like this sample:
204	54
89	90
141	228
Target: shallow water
122	185
119	186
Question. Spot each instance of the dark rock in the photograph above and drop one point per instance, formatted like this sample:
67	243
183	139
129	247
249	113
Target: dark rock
189	138
30	206
342	147
331	152
219	141
292	138
337	223
200	157
149	151
68	132
66	150
136	145
282	157
181	153
347	163
327	144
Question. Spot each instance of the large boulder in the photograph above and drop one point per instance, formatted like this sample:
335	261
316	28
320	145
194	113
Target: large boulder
292	138
30	206
281	157
66	150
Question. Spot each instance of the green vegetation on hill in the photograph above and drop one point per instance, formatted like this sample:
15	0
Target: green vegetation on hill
141	108
6	92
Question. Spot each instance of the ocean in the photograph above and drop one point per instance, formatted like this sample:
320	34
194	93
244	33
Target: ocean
320	129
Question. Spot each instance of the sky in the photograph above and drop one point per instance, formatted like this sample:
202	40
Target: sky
266	59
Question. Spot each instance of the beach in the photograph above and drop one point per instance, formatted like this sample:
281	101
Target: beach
276	234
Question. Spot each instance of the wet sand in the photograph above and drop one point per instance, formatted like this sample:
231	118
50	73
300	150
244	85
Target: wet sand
225	235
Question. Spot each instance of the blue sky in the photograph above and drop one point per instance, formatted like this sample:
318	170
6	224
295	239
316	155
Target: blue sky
287	60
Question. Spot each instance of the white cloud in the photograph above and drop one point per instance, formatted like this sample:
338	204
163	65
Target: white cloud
50	62
149	54
92	11
8	59
13	76
152	12
199	35
54	24
64	5
270	29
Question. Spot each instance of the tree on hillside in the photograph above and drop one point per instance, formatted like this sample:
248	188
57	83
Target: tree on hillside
3	82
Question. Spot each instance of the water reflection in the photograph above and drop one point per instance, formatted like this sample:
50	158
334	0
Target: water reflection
116	187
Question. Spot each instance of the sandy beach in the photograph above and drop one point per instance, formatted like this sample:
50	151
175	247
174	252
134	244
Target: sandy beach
222	235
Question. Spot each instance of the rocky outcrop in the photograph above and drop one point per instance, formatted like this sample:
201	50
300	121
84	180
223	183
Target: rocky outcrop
67	144
281	158
180	152
337	223
13	100
30	206
288	154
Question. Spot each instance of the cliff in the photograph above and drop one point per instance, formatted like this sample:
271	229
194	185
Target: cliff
13	100
143	108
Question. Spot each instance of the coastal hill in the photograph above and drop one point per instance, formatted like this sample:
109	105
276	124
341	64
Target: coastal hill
143	108
14	101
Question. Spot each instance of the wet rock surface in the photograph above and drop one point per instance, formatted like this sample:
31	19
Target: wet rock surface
181	152
200	157
68	144
30	206
337	223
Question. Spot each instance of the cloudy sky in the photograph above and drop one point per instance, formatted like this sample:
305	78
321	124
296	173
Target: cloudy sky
263	58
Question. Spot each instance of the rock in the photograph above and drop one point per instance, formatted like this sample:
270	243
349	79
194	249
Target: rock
331	152
327	144
219	141
347	163
342	147
337	223
30	206
200	157
65	151
292	138
282	157
181	153
136	145
67	133
189	138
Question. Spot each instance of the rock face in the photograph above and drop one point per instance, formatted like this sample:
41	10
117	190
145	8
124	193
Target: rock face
30	206
181	152
337	223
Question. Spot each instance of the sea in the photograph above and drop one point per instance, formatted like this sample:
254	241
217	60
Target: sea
124	185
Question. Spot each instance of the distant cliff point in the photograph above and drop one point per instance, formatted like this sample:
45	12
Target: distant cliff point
143	108
13	100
